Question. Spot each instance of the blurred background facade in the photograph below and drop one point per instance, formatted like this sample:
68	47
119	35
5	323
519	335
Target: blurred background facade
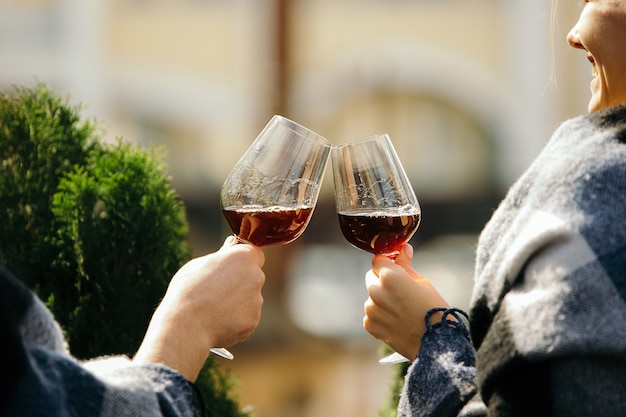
468	90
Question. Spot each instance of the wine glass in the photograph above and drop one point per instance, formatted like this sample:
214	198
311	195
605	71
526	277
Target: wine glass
377	208
269	196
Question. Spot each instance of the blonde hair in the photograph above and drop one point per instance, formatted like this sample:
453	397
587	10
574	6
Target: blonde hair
553	9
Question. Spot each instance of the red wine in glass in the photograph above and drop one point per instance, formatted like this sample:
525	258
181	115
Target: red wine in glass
265	226
378	232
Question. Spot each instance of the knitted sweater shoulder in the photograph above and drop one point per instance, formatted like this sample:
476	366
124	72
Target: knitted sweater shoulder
548	315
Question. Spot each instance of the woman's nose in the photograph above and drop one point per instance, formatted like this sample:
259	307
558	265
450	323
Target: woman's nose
573	39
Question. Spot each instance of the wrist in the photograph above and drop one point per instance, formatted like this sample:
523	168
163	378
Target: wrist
173	344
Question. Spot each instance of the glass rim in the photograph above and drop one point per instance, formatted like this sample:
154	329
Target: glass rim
298	129
383	136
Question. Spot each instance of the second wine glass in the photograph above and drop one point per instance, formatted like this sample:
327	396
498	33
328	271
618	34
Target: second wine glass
377	208
376	205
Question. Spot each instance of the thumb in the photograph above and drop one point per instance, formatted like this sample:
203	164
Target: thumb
231	240
405	261
405	257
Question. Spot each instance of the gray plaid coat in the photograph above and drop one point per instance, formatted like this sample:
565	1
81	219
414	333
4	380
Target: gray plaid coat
39	378
548	315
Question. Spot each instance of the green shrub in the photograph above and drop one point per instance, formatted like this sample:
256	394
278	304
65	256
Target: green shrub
95	229
121	234
41	141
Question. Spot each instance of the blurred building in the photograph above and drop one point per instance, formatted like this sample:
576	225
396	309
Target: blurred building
464	88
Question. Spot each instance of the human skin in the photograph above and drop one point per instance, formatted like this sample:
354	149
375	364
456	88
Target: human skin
212	301
399	299
601	32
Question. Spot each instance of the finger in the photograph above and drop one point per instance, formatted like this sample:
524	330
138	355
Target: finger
379	262
405	260
372	327
380	297
231	240
371	279
377	321
405	257
372	319
375	289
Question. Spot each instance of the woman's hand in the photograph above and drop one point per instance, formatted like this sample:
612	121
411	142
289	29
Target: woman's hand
399	299
212	301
